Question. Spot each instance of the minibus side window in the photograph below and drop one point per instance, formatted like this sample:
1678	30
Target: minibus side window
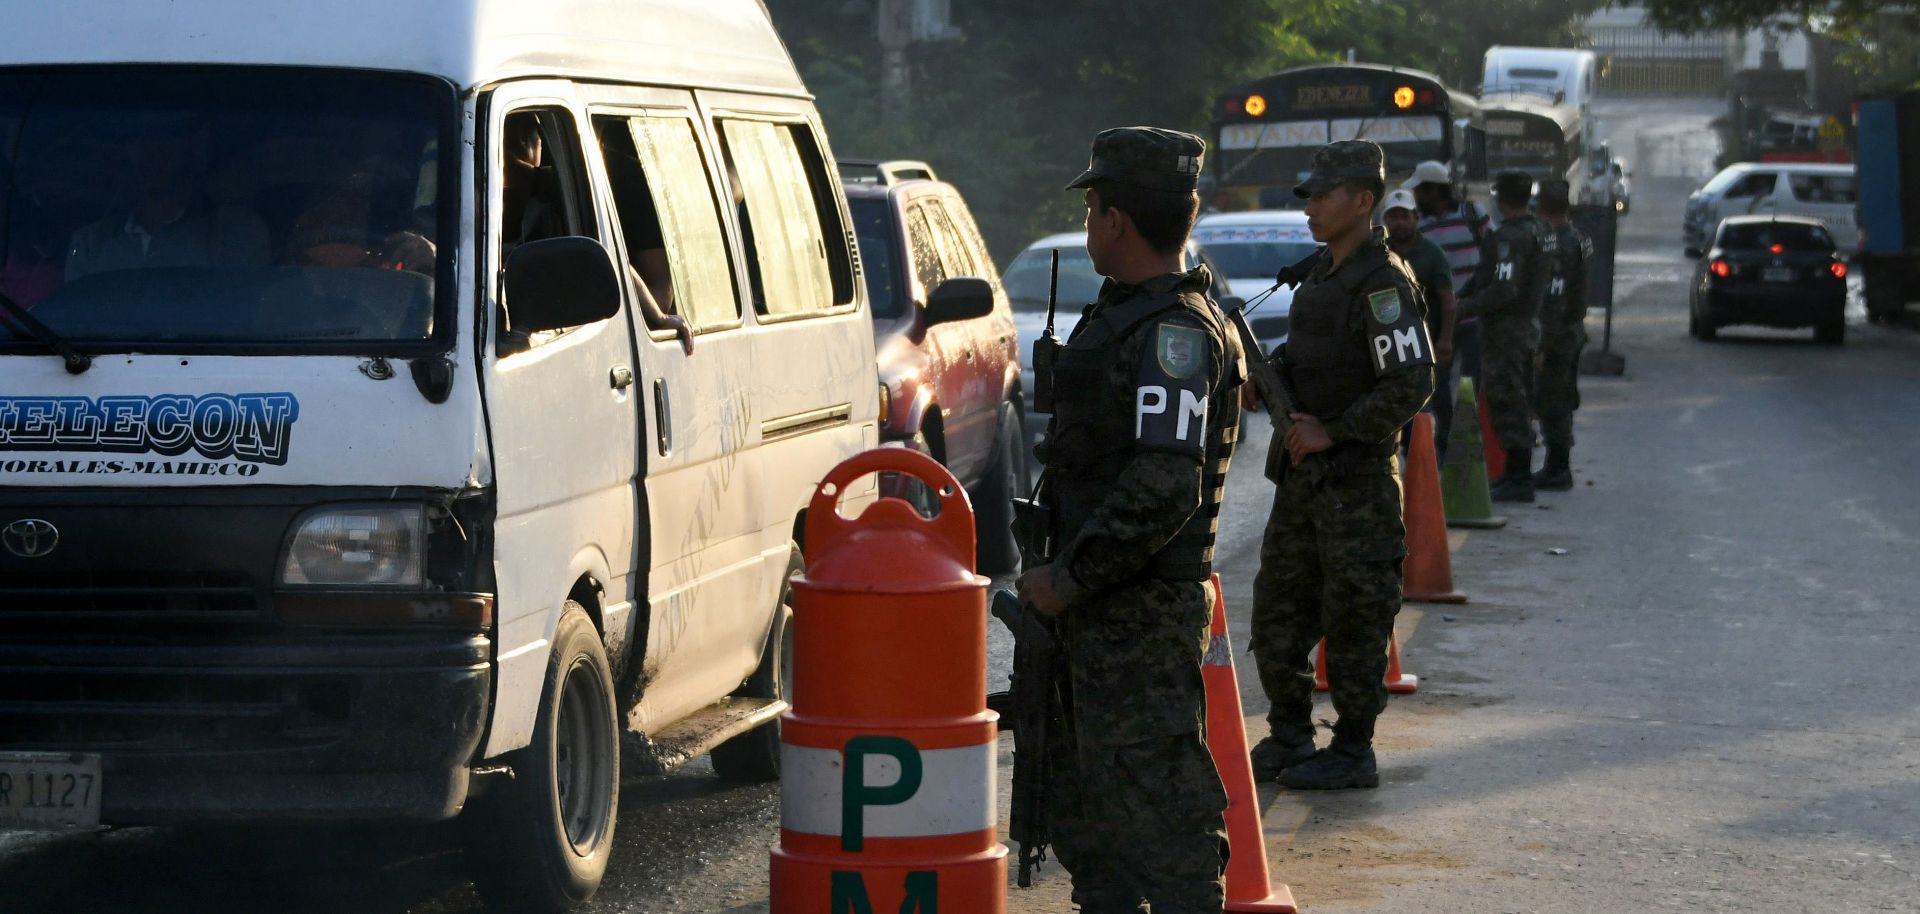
797	249
1812	188
542	192
668	219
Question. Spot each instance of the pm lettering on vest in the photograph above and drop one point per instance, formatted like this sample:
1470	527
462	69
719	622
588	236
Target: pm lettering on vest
1158	419
1504	271
1398	347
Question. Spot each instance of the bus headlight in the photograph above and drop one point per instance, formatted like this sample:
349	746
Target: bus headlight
358	545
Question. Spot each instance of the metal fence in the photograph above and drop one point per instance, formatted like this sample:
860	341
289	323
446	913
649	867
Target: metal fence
1639	60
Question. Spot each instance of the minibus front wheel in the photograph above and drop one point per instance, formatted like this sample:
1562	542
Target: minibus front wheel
540	842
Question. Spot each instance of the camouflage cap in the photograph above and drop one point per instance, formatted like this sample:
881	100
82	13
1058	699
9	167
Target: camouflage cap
1340	161
1149	157
1555	191
1513	185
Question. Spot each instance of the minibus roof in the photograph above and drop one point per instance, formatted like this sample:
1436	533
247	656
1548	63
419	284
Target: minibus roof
721	44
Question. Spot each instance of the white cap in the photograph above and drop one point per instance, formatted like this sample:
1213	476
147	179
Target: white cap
1400	198
1429	173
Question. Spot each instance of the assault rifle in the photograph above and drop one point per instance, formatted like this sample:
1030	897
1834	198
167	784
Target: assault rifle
1036	676
1269	383
1038	669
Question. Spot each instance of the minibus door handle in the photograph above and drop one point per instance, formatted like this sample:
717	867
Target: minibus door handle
662	416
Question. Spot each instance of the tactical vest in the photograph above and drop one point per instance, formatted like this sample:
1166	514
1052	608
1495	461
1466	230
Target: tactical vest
1328	363
1566	257
1092	435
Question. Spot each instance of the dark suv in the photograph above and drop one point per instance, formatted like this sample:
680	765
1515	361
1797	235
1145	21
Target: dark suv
944	339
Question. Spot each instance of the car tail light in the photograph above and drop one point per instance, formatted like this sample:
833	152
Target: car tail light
1721	269
1839	270
1777	248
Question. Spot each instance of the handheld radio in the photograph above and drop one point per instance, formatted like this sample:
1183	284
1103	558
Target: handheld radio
1047	348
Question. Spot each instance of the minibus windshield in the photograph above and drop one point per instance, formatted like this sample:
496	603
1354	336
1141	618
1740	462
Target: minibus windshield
176	209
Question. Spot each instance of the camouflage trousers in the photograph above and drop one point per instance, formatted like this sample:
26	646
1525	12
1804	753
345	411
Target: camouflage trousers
1556	389
1136	806
1507	379
1329	568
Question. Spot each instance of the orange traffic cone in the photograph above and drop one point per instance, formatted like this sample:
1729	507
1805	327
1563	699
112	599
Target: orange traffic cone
1496	458
1399	682
1249	884
1429	565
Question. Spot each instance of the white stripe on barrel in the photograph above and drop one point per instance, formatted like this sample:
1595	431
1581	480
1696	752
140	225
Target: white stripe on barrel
955	795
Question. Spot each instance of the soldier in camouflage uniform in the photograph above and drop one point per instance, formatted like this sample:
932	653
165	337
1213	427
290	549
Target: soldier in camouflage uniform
1360	366
1146	417
1563	333
1507	296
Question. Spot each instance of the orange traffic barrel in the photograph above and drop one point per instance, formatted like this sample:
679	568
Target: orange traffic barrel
889	755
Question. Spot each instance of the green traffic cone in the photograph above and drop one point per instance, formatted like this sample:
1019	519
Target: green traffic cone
1463	479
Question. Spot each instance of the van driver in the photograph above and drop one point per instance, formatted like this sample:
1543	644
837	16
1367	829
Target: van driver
172	222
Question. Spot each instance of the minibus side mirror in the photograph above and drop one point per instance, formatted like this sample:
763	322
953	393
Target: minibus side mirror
960	299
555	283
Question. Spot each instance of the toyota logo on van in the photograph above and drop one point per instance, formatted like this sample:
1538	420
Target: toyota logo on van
30	538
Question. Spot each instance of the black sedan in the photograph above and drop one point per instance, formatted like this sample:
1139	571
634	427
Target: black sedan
1771	271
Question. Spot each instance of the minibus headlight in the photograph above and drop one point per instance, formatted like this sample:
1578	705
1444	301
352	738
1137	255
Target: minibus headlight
358	545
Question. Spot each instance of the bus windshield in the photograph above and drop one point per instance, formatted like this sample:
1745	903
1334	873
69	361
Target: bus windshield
1533	145
223	208
1278	152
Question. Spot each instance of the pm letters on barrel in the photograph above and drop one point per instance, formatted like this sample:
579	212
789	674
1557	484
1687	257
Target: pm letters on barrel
850	888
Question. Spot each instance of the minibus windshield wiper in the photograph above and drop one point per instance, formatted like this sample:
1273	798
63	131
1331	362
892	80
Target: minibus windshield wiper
77	361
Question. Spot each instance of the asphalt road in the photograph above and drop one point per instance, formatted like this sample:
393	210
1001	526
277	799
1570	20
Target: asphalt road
1705	704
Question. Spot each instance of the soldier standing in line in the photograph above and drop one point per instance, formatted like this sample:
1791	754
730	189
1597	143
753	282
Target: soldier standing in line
1360	366
1145	420
1563	333
1507	297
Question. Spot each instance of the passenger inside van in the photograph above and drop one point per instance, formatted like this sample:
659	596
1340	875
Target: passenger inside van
533	208
647	265
173	221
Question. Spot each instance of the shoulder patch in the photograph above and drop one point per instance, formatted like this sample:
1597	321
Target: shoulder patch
1386	305
1180	349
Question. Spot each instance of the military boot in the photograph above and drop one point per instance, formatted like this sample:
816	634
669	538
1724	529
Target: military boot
1346	763
1516	484
1279	752
1557	475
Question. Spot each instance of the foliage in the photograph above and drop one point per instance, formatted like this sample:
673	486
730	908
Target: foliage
1006	111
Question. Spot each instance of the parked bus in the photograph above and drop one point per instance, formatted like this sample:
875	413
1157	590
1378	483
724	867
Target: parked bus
1566	76
1265	131
1534	135
1545	125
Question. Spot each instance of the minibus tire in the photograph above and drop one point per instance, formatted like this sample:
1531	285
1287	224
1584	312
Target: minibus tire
1005	480
753	757
539	843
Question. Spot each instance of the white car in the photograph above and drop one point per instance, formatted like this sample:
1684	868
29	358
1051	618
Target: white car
1251	248
1820	191
1025	281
